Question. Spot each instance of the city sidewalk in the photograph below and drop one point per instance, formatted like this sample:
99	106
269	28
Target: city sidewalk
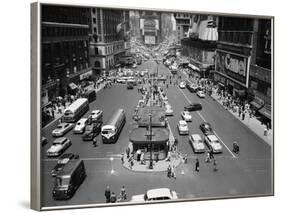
58	114
160	166
252	123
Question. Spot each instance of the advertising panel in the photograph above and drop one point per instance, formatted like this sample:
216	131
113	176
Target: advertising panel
149	39
233	65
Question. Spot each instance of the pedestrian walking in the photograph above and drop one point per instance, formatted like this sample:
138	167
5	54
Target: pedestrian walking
235	147
197	165
53	113
122	158
128	152
173	173
215	166
169	169
265	131
113	197
239	111
243	116
168	158
208	158
107	194
211	155
185	158
95	142
123	194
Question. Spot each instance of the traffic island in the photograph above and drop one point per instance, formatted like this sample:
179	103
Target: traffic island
158	166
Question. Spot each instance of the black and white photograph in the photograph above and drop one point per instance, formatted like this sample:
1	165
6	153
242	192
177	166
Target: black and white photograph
145	106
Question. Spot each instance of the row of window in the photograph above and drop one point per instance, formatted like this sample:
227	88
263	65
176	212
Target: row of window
63	31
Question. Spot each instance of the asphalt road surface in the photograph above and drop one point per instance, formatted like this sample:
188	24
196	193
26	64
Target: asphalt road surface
246	174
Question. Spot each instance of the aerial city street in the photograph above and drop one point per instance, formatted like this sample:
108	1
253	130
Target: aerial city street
141	106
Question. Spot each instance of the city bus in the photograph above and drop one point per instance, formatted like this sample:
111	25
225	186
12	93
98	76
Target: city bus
111	131
75	111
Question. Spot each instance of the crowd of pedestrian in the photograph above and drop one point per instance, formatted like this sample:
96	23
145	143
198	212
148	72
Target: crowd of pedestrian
111	197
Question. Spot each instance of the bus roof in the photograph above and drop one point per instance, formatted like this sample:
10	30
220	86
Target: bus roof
69	168
115	116
76	104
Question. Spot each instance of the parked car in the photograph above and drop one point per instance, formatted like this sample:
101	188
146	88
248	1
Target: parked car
96	115
183	127
62	161
193	107
61	129
201	94
182	85
156	195
58	147
169	111
186	115
197	143
206	128
80	126
213	143
192	87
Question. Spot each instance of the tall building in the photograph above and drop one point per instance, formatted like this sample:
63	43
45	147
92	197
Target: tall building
182	26
260	69
150	27
200	44
110	37
233	54
65	49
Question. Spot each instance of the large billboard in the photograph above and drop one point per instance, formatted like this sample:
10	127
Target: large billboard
235	66
149	39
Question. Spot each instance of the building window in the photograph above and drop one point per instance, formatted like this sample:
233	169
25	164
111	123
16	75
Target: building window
96	50
95	30
94	20
97	64
94	10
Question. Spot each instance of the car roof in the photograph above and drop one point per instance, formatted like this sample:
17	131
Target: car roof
67	155
158	192
212	137
196	137
60	139
95	111
181	122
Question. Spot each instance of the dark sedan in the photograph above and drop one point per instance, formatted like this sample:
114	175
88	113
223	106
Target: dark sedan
206	128
63	160
193	107
92	130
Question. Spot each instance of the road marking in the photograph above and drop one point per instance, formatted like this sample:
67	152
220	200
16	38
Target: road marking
201	116
190	103
114	156
225	145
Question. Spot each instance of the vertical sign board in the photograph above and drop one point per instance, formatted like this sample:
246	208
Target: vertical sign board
235	66
149	39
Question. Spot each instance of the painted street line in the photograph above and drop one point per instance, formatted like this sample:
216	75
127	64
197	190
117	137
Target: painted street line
225	145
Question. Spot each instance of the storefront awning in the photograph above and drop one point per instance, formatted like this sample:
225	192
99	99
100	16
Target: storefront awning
255	104
72	86
141	136
265	112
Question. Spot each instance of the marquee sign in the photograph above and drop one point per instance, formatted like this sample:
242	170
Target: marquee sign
234	65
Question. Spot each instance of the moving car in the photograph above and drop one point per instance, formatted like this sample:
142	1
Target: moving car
121	80
80	126
130	85
201	94
183	127
197	143
92	129
96	115
192	87
193	107
169	110
134	66
61	129
186	116
62	161
206	128
58	147
213	143
182	85
156	195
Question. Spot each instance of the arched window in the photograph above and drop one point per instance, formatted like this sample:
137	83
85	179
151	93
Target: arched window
97	64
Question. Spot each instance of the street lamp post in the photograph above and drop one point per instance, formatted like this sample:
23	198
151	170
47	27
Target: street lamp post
150	139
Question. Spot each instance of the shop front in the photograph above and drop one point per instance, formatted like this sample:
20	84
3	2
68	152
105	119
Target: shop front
194	70
153	144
